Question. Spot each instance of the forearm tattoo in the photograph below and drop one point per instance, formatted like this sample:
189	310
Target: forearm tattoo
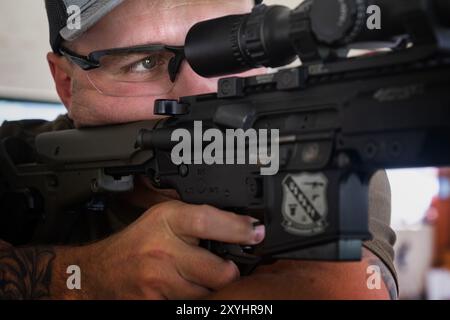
25	273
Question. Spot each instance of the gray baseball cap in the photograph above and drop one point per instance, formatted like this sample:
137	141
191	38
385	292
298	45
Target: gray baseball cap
89	13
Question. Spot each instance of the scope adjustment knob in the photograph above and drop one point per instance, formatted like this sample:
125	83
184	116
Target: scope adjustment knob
337	22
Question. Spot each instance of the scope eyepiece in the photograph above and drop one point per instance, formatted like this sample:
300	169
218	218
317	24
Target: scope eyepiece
238	43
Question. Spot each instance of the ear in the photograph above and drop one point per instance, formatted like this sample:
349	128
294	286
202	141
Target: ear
62	72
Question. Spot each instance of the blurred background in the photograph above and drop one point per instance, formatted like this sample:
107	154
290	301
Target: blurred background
420	197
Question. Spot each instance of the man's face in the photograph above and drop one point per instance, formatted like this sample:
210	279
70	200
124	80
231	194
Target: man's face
137	22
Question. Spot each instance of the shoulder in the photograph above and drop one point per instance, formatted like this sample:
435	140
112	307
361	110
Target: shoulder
383	236
17	138
28	129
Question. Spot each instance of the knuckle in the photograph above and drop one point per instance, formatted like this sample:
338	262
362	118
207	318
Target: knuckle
153	281
167	213
199	223
154	263
165	208
228	273
153	289
163	256
157	212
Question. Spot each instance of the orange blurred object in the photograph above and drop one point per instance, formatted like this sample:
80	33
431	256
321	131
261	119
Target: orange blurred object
439	215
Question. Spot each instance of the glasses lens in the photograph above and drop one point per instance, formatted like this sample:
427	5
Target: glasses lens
133	74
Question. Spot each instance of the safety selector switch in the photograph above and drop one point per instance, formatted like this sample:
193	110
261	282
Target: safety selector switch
164	107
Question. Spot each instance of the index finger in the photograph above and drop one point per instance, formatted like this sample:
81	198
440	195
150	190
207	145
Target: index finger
209	223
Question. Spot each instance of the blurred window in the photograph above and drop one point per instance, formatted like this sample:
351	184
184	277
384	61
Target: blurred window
17	110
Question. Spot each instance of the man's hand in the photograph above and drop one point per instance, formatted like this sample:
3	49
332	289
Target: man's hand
158	256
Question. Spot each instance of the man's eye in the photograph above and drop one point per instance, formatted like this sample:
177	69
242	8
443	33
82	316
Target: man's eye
144	65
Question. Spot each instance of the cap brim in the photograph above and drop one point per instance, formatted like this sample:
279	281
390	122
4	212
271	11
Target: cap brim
91	12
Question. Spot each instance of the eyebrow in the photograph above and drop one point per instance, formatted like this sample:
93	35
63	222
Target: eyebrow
125	57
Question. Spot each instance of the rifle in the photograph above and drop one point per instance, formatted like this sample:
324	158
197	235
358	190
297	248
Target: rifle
339	120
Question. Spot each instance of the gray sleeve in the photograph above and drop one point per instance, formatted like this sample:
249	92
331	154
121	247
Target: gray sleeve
383	237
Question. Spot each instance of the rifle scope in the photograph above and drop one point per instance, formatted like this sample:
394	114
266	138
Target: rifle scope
274	36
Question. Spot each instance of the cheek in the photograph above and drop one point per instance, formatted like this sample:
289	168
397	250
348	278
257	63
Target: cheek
91	108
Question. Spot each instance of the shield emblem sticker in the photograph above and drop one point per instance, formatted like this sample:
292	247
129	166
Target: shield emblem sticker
304	206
